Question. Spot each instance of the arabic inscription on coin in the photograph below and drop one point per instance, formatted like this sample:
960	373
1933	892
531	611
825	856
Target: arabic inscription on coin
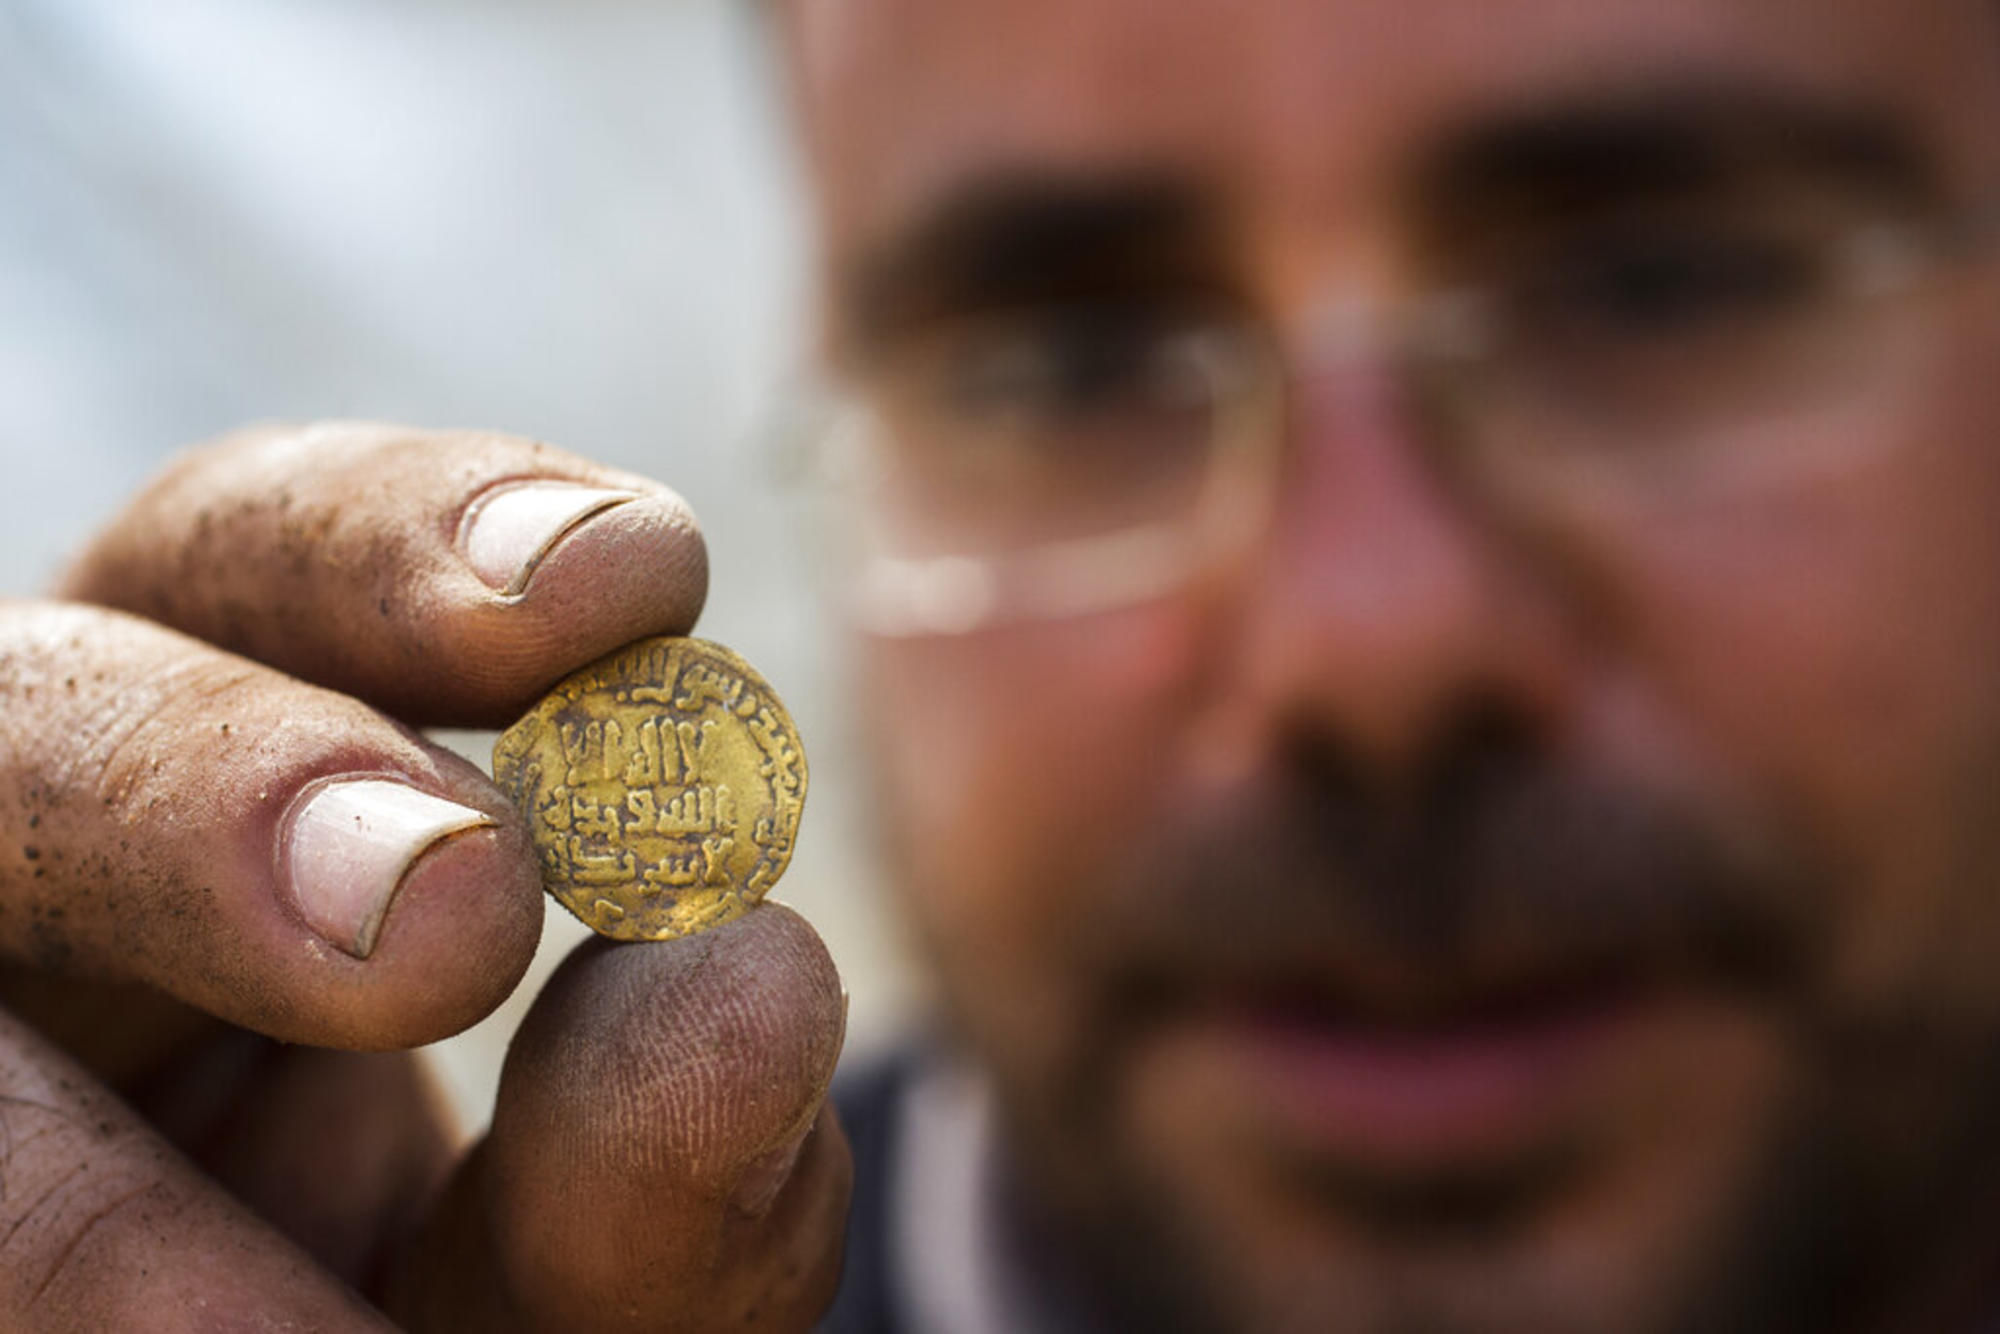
662	785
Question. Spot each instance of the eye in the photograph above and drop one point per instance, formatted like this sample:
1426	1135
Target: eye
1669	284
1055	370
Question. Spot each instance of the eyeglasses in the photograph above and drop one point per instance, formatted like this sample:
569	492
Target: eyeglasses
1047	462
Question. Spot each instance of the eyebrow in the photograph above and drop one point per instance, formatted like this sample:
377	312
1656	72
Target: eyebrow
1686	139
1021	237
1014	238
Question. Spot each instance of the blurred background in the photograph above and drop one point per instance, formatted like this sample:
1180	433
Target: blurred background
569	219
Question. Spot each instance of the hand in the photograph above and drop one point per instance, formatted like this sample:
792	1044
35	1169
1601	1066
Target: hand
189	885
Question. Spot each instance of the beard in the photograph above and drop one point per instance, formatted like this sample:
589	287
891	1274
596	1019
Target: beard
1501	880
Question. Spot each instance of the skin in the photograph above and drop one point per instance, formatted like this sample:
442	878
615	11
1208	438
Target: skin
1110	830
208	1116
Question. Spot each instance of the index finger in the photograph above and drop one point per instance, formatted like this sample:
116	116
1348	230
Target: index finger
447	577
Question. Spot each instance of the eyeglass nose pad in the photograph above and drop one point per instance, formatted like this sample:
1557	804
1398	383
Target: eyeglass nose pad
1353	360
1339	332
1348	331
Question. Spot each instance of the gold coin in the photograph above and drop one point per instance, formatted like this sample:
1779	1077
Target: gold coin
663	786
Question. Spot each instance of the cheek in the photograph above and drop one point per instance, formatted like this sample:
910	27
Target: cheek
1014	762
1015	769
1838	653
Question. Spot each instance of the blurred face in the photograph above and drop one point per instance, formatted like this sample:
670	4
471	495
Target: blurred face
1492	898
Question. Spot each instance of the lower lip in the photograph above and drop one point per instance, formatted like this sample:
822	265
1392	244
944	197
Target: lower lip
1424	1098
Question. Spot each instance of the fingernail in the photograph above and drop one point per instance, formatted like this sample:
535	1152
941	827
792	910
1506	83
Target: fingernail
509	531
757	1188
346	847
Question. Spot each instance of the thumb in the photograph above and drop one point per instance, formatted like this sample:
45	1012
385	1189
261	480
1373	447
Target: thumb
661	1156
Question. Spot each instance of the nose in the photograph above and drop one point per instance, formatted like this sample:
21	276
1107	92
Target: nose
1386	612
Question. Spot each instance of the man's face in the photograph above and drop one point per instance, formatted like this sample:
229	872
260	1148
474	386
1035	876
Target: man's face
1582	915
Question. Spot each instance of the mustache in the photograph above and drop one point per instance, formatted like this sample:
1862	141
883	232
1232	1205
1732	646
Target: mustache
1501	865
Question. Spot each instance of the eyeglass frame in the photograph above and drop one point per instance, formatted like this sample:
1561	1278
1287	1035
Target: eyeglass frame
1454	325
